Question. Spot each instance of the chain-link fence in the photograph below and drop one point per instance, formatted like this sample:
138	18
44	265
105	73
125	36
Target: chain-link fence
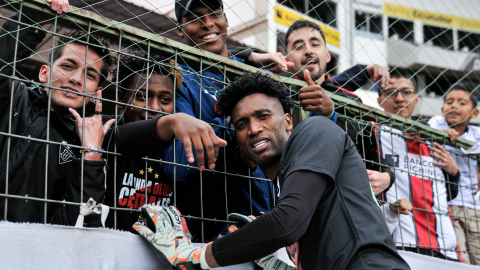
156	65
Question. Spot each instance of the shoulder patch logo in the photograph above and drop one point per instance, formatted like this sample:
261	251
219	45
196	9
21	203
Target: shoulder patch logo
65	154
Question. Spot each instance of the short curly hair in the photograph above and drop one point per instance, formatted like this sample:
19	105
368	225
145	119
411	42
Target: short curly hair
249	84
134	63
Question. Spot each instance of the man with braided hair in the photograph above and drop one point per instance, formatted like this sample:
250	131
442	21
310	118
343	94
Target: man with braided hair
325	201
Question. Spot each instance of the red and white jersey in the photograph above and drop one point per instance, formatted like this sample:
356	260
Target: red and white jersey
466	165
418	180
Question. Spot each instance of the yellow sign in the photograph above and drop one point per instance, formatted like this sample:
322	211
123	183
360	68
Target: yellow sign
430	17
287	17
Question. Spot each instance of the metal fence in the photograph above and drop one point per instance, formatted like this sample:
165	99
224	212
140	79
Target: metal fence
347	25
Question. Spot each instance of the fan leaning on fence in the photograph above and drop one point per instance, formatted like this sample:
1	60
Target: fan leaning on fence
65	81
30	116
333	232
137	138
307	49
428	230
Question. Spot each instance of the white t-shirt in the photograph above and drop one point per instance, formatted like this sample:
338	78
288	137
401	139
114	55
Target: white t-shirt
416	179
466	165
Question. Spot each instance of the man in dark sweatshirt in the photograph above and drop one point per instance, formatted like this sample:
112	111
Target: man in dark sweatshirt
306	48
46	112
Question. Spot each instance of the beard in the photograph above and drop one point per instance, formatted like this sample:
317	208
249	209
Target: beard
314	74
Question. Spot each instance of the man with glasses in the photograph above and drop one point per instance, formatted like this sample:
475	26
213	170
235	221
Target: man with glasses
419	177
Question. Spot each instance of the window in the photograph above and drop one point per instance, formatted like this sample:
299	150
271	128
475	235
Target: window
367	24
322	10
403	29
294	4
439	84
437	36
468	41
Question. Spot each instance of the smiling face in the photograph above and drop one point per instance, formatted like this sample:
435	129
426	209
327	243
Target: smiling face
458	107
306	48
262	128
68	72
206	29
160	97
397	103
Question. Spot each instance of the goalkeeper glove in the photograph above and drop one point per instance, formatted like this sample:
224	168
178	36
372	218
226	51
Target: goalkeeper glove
165	233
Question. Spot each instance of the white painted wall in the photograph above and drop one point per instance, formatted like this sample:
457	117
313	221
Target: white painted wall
369	51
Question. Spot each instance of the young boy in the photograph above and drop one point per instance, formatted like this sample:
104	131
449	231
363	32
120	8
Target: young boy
460	106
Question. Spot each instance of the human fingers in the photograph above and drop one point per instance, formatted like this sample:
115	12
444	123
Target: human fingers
310	88
214	141
404	211
407	205
437	155
453	134
199	150
66	5
383	76
76	115
308	78
375	73
187	144
310	102
440	147
436	151
369	172
222	142
54	4
108	124
98	105
60	6
387	77
280	60
311	92
440	164
290	64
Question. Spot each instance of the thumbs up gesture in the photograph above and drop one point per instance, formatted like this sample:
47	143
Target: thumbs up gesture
313	98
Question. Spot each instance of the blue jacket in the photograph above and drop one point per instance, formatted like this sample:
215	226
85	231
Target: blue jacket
188	100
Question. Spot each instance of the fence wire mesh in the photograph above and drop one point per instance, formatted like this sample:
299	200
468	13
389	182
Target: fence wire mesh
156	65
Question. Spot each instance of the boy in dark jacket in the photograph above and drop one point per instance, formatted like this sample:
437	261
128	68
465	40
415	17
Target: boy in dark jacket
41	133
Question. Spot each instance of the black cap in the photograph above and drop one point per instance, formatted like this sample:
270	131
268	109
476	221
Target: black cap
182	6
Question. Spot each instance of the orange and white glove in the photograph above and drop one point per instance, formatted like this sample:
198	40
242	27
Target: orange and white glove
166	235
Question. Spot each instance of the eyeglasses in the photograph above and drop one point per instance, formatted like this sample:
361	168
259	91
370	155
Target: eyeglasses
392	93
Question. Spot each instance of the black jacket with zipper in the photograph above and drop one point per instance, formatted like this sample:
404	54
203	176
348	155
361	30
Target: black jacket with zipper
34	171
